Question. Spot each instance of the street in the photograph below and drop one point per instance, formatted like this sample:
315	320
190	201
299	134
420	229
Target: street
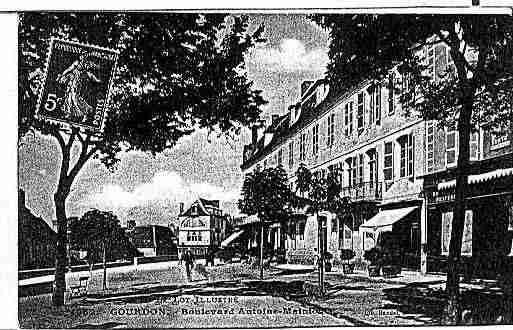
156	295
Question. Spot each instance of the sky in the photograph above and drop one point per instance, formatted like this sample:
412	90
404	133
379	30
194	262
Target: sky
149	188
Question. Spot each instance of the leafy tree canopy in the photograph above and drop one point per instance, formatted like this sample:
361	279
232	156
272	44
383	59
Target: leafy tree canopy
367	46
176	72
319	193
266	193
96	228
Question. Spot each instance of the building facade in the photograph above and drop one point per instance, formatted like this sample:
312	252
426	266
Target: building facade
202	227
37	241
154	240
381	150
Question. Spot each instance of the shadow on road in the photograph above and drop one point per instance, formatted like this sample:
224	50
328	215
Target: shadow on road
480	305
106	325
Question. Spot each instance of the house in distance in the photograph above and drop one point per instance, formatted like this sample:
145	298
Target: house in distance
202	227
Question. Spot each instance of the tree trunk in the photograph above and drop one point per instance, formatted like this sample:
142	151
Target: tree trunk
104	265
453	308
321	254
261	250
61	259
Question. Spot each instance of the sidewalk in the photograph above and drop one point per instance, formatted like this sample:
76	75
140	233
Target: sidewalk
406	276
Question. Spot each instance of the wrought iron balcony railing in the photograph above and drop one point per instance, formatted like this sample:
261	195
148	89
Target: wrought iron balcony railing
371	191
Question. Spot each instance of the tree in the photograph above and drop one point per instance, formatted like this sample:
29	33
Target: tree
266	194
319	193
99	233
176	73
481	47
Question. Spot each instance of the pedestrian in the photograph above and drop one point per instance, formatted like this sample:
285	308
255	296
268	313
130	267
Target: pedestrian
210	257
188	259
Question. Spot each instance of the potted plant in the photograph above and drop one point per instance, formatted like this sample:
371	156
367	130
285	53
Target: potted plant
346	255
327	261
375	257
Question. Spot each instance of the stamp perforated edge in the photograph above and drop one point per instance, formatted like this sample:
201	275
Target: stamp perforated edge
108	95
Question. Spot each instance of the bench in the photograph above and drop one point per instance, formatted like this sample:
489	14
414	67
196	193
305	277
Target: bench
79	289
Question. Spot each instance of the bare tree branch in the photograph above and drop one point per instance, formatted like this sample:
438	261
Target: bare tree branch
84	157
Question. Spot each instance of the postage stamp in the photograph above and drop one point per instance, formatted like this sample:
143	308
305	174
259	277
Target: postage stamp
76	84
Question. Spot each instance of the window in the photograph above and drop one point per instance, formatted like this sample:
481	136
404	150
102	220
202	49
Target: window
411	155
315	139
193	236
406	156
301	229
466	244
372	167
451	69
388	169
361	111
430	161
377	104
448	56
372	104
280	156
360	168
474	146
351	171
431	67
451	145
408	91
302	144
334	224
331	129
348	118
291	154
391	94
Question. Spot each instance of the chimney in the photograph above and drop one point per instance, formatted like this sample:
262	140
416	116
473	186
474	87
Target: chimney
181	207
304	86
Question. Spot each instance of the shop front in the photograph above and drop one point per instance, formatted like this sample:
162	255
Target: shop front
488	228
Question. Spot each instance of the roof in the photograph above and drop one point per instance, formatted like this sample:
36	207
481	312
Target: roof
281	130
209	203
206	207
388	217
478	178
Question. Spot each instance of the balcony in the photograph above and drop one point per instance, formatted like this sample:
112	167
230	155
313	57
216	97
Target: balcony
370	191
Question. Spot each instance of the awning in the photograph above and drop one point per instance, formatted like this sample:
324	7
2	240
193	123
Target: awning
249	220
231	238
478	178
387	218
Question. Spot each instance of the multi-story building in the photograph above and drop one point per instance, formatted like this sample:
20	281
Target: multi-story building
201	227
376	143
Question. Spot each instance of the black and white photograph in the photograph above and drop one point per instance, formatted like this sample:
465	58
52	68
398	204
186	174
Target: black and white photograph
285	168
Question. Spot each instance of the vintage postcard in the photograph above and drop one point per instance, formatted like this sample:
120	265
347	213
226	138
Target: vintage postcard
265	169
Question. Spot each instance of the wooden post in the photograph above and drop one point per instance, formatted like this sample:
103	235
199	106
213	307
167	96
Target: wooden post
104	265
423	236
